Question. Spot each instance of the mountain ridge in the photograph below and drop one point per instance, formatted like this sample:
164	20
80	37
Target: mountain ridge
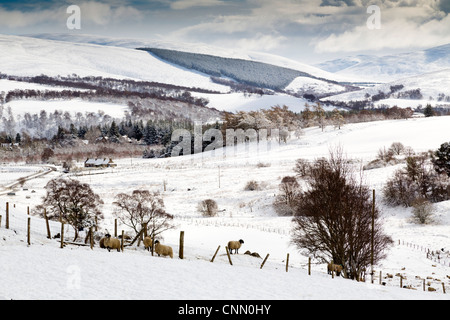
391	67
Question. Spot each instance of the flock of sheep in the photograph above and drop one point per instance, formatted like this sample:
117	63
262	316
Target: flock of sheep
161	250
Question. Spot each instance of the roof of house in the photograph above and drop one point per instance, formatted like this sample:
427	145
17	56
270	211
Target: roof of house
98	162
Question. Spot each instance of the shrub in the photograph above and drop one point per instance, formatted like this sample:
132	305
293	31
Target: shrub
208	208
423	211
397	148
263	165
417	181
385	155
302	168
252	185
399	191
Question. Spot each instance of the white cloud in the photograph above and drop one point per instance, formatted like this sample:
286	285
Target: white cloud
401	28
260	42
186	4
92	12
18	19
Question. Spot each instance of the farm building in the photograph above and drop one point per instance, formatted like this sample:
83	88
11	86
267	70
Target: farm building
99	163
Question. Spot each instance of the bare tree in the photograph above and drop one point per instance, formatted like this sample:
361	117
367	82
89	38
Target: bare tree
72	202
285	203
143	207
334	218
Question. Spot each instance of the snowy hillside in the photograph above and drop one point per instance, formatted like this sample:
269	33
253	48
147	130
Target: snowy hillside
26	56
391	67
32	57
196	48
44	271
434	89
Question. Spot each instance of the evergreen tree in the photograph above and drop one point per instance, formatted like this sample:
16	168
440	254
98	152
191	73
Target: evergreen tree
114	130
442	159
18	138
150	134
428	112
138	130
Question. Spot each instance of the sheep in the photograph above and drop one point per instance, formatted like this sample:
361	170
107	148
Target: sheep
254	254
334	267
235	245
102	243
163	250
148	243
111	243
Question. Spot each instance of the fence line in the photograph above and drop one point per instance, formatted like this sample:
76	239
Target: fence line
432	255
438	256
222	223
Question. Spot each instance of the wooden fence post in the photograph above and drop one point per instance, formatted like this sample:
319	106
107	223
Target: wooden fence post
0	221
49	235
91	237
443	287
7	216
28	232
287	262
309	266
62	235
115	228
228	254
181	251
215	254
121	243
262	265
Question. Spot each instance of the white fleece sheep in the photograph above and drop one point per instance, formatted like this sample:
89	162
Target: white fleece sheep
148	243
235	245
111	243
163	250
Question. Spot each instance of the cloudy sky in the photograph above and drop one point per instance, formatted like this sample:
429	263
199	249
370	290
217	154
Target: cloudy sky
309	31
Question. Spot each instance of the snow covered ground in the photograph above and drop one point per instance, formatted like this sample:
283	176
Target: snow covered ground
20	107
29	57
44	271
234	102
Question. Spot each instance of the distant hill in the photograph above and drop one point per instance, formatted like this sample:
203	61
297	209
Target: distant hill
248	72
429	88
390	67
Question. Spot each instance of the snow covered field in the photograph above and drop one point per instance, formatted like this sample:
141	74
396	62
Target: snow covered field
44	271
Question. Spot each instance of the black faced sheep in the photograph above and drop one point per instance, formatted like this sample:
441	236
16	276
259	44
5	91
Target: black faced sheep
111	243
163	250
235	245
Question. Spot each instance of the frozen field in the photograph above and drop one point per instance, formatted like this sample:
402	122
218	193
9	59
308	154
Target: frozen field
46	272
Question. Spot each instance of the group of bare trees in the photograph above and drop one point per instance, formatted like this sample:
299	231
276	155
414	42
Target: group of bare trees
76	204
334	216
